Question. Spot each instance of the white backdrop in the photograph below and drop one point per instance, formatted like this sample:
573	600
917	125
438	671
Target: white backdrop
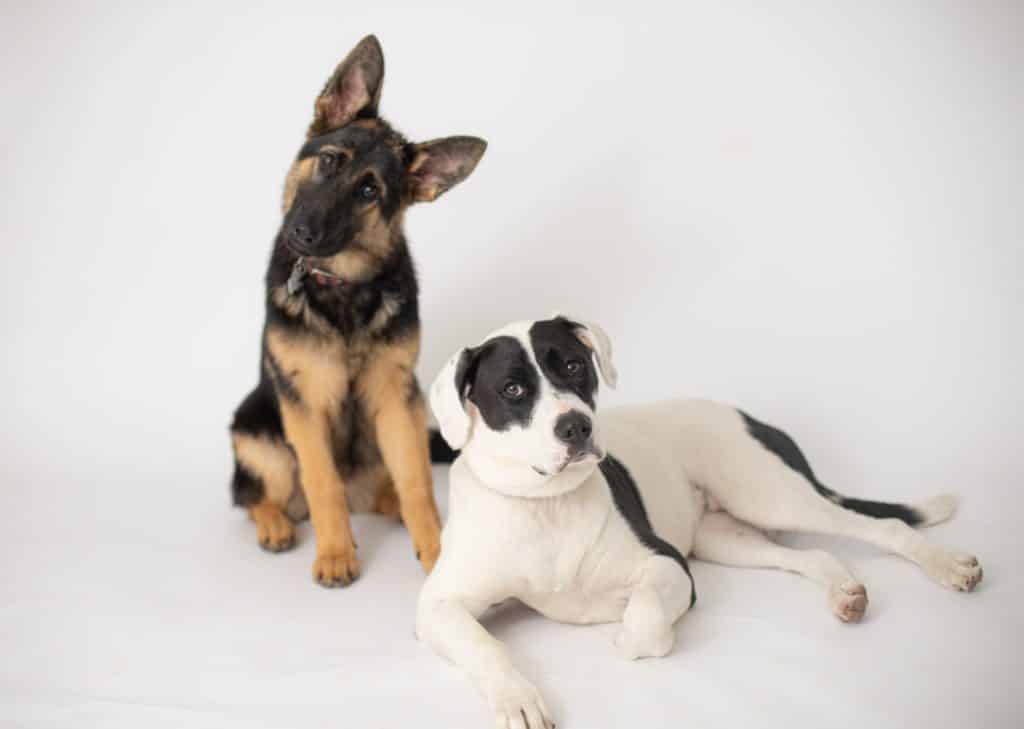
814	212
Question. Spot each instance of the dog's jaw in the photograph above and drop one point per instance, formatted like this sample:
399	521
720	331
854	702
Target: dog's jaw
522	480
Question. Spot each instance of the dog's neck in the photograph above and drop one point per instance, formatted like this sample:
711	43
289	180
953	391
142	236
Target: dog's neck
521	480
377	298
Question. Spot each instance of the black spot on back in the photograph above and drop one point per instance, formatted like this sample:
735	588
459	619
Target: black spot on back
630	504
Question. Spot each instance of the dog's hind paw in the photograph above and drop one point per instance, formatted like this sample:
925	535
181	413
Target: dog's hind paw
848	601
956	571
274	530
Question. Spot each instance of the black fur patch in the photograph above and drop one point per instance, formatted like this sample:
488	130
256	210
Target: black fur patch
350	307
258	414
556	347
246	488
440	451
354	438
492	366
786	449
281	381
413	394
631	505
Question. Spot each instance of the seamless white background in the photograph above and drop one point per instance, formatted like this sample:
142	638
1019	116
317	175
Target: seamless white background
813	211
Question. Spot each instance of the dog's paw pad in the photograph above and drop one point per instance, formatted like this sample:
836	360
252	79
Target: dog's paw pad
274	531
955	571
336	569
848	601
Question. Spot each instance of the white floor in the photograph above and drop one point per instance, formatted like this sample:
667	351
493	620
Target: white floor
812	210
122	608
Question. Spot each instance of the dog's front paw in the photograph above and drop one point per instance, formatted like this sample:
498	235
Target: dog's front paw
428	553
517	703
652	643
336	567
848	601
957	571
646	630
274	530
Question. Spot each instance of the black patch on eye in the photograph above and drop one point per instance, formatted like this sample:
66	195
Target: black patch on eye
630	504
497	362
554	344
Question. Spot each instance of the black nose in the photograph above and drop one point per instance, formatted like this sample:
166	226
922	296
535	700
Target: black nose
573	429
303	235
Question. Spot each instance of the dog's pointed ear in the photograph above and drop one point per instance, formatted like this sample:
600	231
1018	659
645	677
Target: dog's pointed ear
439	165
597	341
353	89
448	397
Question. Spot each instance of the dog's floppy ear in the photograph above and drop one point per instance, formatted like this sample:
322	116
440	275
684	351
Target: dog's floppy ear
448	397
596	339
437	166
353	89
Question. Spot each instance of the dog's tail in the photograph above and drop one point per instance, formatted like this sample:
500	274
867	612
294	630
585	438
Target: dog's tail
934	511
440	451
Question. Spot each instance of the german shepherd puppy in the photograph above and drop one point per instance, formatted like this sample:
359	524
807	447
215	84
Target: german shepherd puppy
337	422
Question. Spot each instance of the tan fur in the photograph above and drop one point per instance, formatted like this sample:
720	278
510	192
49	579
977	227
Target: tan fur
375	243
386	502
401	427
273	529
367	488
315	366
352	264
320	370
308	433
272	461
389	306
317	370
420	193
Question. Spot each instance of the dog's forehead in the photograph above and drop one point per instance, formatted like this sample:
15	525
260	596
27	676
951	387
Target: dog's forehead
358	137
519	330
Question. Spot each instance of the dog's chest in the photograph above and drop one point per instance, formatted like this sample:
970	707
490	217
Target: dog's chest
577	558
327	377
321	374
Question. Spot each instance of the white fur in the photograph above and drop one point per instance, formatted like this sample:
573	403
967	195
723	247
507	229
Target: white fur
558	543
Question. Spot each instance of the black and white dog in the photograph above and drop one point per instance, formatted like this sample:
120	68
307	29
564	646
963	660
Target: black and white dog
589	519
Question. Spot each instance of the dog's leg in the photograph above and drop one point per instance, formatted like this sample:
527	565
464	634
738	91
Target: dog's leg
265	471
309	435
449	626
757	487
659	598
401	429
721	538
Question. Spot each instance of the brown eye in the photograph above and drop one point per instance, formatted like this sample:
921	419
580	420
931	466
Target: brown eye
574	367
368	191
327	162
513	391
